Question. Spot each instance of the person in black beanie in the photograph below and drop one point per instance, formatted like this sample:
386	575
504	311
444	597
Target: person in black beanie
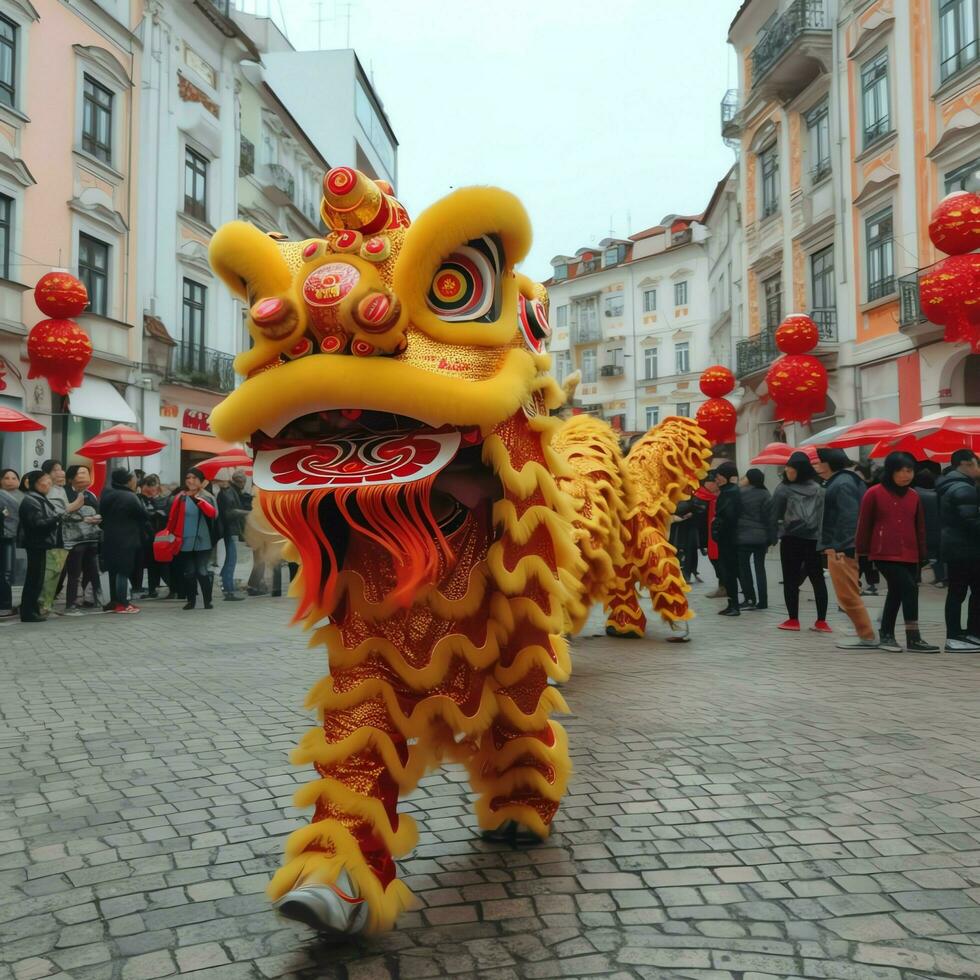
725	533
754	539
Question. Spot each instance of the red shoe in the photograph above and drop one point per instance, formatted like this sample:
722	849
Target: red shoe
127	610
821	626
790	624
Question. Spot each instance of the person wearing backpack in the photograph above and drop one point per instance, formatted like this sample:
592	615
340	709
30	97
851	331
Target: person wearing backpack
797	517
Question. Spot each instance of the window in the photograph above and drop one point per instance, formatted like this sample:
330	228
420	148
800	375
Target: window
649	301
653	416
682	358
684	409
588	367
769	164
561	271
562	322
612	256
958	36
8	61
616	357
874	98
195	184
614	304
6	233
818	124
97	120
563	365
822	278
956	179
772	295
93	270
193	313
650	363
680	293
880	239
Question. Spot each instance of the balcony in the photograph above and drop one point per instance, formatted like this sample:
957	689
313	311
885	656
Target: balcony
586	333
611	370
826	321
223	7
201	367
757	353
246	157
912	321
278	184
730	126
791	54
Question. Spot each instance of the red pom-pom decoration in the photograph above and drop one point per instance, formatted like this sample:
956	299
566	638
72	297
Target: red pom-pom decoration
798	385
717	381
58	350
955	225
717	416
60	295
797	334
950	297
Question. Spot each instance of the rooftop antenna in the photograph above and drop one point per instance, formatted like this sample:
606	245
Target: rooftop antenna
319	24
347	7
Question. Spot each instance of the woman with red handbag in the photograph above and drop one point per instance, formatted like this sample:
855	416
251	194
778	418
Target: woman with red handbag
193	522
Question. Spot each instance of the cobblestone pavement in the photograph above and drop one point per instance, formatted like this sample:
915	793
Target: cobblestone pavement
751	805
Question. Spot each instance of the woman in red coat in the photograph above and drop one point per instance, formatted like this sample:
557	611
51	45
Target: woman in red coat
892	532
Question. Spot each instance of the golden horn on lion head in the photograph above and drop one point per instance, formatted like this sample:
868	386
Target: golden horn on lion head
354	201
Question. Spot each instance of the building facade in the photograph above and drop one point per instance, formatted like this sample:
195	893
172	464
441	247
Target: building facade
70	80
853	119
633	316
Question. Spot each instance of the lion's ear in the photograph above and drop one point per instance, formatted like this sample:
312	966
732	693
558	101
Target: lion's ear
250	263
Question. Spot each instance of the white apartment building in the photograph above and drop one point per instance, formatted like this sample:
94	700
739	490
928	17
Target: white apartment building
633	316
722	220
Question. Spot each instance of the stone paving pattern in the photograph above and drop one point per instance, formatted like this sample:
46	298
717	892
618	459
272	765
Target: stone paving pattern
751	805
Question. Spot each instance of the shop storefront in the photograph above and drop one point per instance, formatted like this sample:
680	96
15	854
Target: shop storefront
186	430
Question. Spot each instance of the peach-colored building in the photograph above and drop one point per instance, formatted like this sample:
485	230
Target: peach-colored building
69	96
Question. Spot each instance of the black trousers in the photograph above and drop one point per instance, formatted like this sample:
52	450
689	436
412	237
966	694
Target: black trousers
749	555
195	572
903	591
800	561
7	559
963	577
728	569
82	566
866	567
155	572
30	608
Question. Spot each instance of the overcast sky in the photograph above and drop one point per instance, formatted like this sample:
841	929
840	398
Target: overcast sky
600	116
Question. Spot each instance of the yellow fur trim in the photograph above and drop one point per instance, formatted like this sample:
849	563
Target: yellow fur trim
499	773
549	702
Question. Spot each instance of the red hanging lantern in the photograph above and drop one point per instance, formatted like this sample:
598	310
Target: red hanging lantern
797	334
58	350
60	295
950	297
798	385
717	416
955	225
717	381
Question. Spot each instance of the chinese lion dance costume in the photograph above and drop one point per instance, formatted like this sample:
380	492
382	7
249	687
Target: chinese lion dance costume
450	530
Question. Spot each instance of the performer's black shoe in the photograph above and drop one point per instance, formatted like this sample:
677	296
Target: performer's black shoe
513	833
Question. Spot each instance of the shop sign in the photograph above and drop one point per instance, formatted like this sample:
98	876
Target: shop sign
196	421
169	410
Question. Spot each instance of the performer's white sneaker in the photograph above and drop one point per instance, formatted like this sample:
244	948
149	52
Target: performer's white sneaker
332	908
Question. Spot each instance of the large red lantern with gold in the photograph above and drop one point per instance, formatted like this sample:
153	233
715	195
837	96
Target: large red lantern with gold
717	416
955	225
797	334
60	295
950	297
797	382
58	350
716	381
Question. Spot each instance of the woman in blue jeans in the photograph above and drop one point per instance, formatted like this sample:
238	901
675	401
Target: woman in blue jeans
197	526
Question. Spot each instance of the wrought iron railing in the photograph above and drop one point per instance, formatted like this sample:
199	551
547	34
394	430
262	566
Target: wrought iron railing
909	300
283	180
246	157
586	333
222	6
755	353
799	17
826	321
729	107
201	367
611	370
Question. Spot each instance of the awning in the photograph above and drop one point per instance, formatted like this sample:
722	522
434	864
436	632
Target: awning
97	399
205	444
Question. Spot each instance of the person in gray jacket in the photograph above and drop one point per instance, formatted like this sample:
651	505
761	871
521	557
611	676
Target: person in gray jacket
754	539
797	515
843	491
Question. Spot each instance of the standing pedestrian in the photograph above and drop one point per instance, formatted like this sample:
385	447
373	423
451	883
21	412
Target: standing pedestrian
843	492
40	532
232	513
892	532
725	533
124	522
959	518
707	494
150	495
924	486
866	567
56	557
797	516
81	538
754	538
196	521
10	499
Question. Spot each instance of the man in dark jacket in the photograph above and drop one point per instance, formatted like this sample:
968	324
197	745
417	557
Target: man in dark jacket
959	519
754	538
725	532
843	490
125	522
232	513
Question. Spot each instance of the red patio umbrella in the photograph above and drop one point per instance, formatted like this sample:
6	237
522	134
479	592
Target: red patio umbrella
778	454
13	421
863	433
120	440
935	436
237	460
